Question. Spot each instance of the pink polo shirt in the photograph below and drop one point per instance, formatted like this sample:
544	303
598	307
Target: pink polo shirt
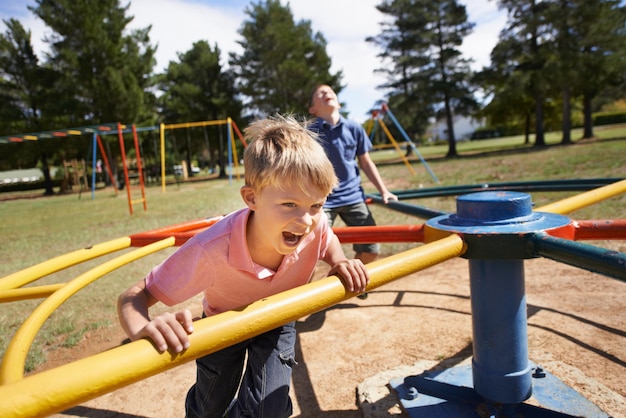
217	262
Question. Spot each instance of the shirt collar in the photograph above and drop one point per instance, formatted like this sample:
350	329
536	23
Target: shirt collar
239	256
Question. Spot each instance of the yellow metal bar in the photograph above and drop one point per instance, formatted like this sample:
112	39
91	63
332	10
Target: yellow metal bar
585	199
369	125
69	385
162	136
395	144
24	293
195	124
12	368
234	147
53	265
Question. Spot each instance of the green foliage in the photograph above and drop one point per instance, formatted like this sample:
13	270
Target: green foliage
282	61
198	89
553	58
20	73
554	52
427	76
105	72
607	118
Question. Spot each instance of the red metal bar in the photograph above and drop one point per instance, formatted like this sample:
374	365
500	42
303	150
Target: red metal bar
181	232
141	240
364	234
600	229
241	138
185	226
382	233
139	168
120	136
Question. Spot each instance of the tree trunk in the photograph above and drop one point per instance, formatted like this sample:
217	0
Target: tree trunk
527	129
221	158
567	117
46	174
540	140
450	124
588	120
188	155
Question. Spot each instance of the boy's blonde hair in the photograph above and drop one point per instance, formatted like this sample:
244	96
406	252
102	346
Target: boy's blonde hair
283	151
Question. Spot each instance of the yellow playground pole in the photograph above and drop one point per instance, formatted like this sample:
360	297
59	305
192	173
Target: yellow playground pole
60	388
395	144
585	199
35	292
163	127
162	139
12	367
231	135
55	264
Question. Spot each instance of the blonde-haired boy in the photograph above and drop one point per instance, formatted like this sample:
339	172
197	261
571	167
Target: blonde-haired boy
268	247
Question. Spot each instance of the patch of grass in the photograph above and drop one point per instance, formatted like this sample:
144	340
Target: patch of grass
36	357
35	230
76	336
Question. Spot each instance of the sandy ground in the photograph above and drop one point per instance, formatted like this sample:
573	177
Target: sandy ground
348	354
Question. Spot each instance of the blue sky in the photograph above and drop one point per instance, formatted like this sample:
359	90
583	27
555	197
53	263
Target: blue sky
177	24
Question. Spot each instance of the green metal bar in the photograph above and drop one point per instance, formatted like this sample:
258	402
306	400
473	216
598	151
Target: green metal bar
415	210
588	257
524	186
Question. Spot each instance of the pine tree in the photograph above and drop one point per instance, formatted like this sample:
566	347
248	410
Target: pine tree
198	88
282	61
421	41
107	71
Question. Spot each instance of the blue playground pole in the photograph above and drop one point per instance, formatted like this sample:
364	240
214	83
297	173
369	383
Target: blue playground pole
93	164
406	138
501	370
497	227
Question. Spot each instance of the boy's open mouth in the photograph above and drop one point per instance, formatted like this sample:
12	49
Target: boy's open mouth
291	238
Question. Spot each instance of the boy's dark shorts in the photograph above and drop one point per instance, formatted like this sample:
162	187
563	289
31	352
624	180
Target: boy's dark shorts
357	214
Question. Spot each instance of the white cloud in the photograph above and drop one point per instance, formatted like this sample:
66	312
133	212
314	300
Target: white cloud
177	24
345	26
489	21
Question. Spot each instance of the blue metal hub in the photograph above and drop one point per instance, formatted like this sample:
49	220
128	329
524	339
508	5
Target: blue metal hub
495	225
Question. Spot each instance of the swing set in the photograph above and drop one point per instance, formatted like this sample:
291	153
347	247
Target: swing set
98	131
379	112
231	129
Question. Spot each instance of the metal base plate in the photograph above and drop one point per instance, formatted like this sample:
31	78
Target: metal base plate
449	394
